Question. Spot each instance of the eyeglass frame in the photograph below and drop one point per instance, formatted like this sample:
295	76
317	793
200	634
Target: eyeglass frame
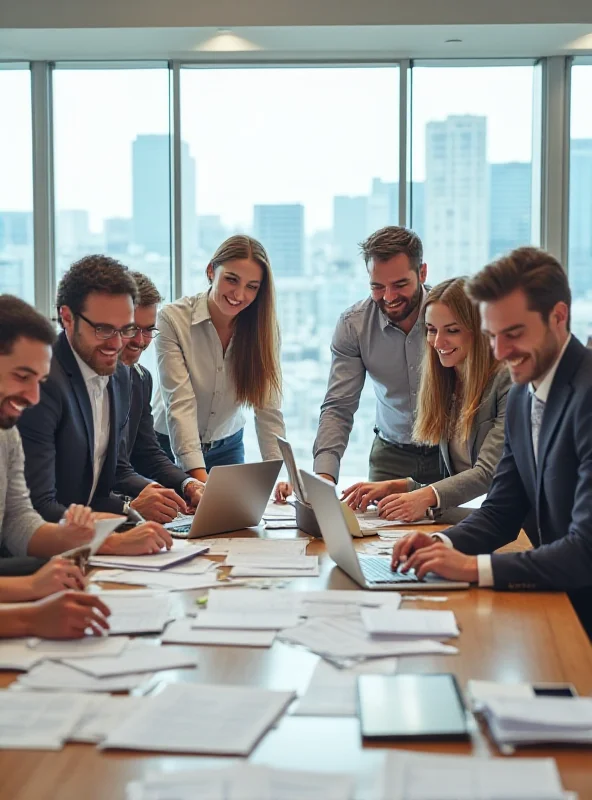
132	329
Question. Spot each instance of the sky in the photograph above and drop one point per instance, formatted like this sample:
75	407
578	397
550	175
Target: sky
273	135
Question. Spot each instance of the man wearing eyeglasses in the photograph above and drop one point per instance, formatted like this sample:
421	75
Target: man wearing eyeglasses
73	439
143	450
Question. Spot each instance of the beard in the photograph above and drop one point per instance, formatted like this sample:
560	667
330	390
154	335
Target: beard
91	356
8	420
405	310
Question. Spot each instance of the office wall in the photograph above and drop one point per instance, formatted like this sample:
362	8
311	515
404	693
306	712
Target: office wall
220	13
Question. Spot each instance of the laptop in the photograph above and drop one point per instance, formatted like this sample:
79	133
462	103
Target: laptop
293	472
371	572
234	497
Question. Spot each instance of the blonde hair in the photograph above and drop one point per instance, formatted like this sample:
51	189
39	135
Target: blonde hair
435	414
256	340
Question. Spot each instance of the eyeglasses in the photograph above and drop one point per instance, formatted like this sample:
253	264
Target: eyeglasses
108	331
148	333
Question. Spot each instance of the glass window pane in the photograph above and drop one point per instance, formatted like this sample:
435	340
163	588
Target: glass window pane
112	168
16	185
580	201
306	160
472	135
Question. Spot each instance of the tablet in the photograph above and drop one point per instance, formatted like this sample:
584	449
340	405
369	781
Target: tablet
411	707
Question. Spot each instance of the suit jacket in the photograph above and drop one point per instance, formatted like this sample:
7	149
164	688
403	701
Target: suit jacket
485	445
556	495
58	440
141	445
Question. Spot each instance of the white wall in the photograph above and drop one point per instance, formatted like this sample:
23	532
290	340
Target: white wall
232	13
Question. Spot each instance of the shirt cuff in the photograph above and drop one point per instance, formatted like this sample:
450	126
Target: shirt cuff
186	481
485	571
444	539
189	461
327	464
438	504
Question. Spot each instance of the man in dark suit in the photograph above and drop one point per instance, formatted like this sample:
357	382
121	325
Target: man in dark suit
71	439
544	479
141	445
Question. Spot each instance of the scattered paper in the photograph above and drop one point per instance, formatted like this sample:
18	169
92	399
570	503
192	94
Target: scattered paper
38	721
101	715
279	511
247	566
103	529
329	603
138	657
211	719
182	632
163	579
540	719
137	612
176	555
479	692
254	545
410	623
15	654
89	647
246	620
53	676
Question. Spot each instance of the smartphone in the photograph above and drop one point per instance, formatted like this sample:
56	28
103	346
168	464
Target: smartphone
554	690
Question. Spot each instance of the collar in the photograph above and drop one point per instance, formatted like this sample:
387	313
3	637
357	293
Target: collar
200	312
384	320
88	373
542	393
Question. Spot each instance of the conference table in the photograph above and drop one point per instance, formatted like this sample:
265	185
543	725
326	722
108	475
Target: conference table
507	637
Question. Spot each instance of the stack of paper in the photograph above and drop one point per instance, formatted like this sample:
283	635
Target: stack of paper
381	622
540	719
182	632
176	555
271	566
138	657
244	782
88	647
235	546
188	718
165	579
332	692
284	511
52	676
340	639
36	720
137	611
246	620
479	692
418	776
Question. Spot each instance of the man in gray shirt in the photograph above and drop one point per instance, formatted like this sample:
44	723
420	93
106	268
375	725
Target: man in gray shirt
383	336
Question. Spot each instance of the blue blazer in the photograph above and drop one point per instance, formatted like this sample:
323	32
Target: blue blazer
58	440
553	502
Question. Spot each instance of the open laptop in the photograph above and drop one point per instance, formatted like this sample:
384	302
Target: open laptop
293	472
371	572
234	497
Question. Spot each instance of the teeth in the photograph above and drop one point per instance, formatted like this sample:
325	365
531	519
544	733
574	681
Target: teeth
16	406
233	302
447	352
514	362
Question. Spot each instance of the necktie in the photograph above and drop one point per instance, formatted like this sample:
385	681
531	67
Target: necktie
536	417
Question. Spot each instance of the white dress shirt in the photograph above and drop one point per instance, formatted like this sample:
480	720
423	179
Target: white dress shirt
542	393
197	399
96	386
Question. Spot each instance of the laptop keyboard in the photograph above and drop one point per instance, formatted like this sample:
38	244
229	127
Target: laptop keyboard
378	570
180	531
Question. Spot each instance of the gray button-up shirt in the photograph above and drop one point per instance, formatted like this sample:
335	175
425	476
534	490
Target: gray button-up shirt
18	518
366	342
197	398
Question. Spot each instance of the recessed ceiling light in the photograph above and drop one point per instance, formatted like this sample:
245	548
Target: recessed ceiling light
453	41
225	41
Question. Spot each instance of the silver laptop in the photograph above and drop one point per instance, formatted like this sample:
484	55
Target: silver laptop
293	472
235	497
371	572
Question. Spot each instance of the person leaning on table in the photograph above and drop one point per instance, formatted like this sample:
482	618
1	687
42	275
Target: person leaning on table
544	479
461	406
218	351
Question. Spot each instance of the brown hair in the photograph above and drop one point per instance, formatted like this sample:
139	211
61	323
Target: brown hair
535	272
256	341
20	320
390	241
148	294
435	419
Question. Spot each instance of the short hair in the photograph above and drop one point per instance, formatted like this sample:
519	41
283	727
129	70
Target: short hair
20	320
390	241
148	294
532	270
94	273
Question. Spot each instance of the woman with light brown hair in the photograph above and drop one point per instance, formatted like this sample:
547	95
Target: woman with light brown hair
461	406
218	352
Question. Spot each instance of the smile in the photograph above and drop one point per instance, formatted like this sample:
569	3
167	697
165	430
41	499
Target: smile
448	352
233	303
16	406
515	362
394	303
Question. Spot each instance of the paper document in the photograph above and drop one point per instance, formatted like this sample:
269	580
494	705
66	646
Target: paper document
279	511
103	529
410	623
163	579
197	566
332	692
479	692
138	657
540	719
281	566
211	719
246	620
306	604
15	654
418	776
53	676
135	612
254	545
182	632
89	647
35	720
347	639
102	714
162	560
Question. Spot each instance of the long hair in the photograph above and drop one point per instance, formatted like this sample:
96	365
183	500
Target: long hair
436	418
255	361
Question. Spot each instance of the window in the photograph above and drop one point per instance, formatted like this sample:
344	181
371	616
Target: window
306	160
580	201
16	184
112	168
471	164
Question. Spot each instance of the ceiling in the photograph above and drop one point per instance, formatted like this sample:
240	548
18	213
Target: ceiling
294	43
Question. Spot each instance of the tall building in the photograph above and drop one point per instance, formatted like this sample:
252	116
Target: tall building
509	207
117	235
383	205
211	232
16	229
73	232
580	217
151	190
350	225
457	196
280	228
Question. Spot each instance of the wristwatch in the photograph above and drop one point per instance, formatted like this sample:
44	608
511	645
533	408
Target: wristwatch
127	504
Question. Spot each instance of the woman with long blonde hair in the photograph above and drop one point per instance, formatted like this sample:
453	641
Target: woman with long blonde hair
461	406
218	353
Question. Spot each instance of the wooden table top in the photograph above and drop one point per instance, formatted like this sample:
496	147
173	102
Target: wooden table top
504	637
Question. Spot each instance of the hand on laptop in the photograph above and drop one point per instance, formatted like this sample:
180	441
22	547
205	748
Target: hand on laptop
421	552
158	504
145	539
364	493
409	506
193	492
283	490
